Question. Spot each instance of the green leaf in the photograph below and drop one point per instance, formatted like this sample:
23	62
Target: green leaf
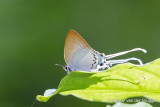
120	82
140	104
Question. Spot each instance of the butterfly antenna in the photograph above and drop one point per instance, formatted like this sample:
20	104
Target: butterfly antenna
59	62
124	52
59	65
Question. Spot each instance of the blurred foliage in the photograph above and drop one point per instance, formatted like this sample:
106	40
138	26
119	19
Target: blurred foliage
32	35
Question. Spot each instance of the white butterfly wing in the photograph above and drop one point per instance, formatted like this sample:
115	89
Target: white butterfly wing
78	54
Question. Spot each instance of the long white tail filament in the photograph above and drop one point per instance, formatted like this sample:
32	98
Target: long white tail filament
125	52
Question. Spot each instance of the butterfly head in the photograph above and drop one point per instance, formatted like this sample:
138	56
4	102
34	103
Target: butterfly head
66	68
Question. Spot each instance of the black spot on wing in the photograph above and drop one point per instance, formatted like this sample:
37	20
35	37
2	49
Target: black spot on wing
94	60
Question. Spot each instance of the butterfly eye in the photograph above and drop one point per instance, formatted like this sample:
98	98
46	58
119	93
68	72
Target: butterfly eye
66	67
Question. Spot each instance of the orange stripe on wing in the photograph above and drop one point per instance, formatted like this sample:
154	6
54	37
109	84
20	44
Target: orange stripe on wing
70	40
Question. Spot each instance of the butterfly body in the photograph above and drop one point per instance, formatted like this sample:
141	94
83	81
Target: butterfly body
79	56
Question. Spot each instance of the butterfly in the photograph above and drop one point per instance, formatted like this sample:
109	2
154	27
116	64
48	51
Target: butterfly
79	56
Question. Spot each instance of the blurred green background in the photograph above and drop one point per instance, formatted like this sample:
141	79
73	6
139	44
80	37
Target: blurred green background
32	34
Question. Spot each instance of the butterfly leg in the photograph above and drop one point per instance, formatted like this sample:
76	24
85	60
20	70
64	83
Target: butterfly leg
120	61
105	66
100	68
